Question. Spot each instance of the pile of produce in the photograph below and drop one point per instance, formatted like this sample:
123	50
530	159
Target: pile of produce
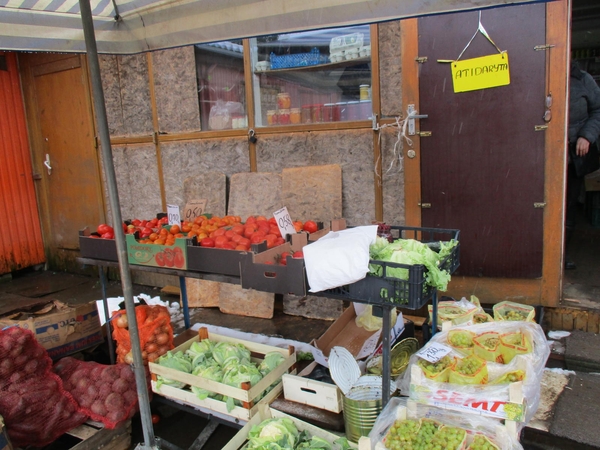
154	328
406	425
227	232
35	406
106	393
281	433
411	252
223	362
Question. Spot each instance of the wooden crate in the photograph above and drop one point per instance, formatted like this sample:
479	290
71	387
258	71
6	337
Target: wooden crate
248	395
265	412
93	436
300	389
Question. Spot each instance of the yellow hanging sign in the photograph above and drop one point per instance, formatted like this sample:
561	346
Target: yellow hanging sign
481	73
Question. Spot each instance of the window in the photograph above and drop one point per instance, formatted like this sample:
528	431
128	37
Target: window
221	85
312	77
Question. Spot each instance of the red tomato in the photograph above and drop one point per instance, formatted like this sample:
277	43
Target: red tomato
108	235
257	237
283	260
146	231
207	242
298	254
136	222
103	228
310	226
220	241
160	259
155	418
298	226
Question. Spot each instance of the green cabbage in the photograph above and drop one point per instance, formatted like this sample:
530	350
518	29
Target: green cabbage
273	434
177	361
203	347
224	350
213	373
411	252
271	361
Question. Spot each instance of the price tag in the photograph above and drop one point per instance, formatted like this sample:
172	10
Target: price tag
173	215
194	208
434	352
284	221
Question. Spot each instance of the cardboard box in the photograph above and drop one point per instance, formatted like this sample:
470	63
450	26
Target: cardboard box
96	247
334	225
4	441
167	256
300	389
262	271
60	328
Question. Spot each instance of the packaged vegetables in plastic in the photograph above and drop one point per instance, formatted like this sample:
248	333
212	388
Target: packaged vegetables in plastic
472	383
405	424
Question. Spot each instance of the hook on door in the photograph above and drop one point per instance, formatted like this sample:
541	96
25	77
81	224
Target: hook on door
47	164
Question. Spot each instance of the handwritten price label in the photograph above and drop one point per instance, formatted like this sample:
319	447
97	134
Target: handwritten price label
434	352
194	208
284	221
173	215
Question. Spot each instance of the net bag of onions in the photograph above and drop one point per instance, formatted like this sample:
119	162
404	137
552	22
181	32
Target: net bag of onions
105	393
35	406
155	331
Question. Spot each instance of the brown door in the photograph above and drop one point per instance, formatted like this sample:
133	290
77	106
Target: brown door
482	168
61	123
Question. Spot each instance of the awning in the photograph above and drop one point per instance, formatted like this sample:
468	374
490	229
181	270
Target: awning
134	26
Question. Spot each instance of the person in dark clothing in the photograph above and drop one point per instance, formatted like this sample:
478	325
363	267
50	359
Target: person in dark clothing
584	129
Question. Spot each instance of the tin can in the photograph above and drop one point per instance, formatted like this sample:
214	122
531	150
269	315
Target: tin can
306	114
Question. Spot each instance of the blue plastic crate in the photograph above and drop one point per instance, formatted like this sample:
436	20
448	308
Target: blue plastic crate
297	59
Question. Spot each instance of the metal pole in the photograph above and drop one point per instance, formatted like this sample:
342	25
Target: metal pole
111	350
386	366
113	196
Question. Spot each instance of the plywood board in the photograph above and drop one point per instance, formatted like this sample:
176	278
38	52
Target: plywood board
246	302
211	186
313	192
254	194
202	293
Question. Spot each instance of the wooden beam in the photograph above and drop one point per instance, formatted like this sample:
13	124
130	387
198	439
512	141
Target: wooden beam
409	48
155	125
494	290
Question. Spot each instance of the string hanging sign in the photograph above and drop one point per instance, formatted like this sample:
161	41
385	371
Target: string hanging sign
483	72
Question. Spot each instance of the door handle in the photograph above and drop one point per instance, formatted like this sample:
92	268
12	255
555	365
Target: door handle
47	164
412	115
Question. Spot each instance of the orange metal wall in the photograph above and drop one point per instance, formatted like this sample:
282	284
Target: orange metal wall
21	242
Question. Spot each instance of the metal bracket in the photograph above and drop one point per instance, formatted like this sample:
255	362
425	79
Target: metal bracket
374	123
424	205
424	133
539	205
541	127
421	59
538	48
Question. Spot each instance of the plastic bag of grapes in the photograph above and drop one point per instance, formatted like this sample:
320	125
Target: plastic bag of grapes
512	311
461	341
437	371
513	344
510	377
405	424
469	370
457	313
487	346
482	317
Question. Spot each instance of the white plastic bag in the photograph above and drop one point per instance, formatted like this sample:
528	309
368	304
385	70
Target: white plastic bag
400	408
339	257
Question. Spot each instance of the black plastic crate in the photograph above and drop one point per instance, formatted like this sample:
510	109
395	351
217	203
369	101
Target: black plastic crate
412	293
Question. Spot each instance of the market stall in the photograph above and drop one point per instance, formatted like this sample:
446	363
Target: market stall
21	37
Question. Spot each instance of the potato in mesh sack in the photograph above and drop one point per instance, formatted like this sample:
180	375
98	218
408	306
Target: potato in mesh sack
105	393
35	407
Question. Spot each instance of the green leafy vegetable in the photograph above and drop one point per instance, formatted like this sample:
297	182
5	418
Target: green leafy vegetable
272	360
177	361
273	434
